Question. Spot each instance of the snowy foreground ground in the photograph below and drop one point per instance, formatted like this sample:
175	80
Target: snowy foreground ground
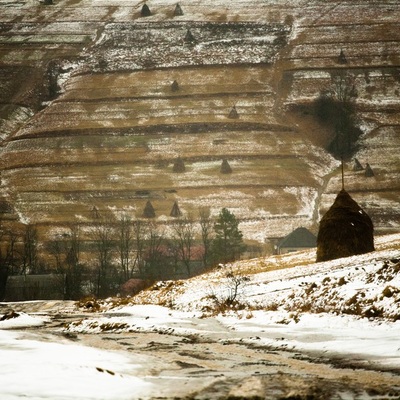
346	310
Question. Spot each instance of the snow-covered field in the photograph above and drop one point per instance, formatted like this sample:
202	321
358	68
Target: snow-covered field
295	305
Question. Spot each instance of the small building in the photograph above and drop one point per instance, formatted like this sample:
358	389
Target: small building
35	287
300	239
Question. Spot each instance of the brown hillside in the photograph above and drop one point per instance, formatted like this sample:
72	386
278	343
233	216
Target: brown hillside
89	117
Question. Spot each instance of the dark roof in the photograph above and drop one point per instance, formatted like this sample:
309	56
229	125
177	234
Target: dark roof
300	237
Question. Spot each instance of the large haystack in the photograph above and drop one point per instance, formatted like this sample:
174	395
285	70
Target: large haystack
345	230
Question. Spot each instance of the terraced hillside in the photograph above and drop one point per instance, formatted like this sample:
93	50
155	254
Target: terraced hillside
98	102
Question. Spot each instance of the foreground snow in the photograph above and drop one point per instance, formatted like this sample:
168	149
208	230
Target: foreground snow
37	369
276	314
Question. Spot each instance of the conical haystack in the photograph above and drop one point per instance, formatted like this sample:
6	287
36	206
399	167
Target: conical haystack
342	58
345	230
225	167
145	12
178	11
233	114
175	86
189	38
357	165
149	211
179	165
95	212
175	212
368	171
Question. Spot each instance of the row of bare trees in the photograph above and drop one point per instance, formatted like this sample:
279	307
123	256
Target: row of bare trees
96	260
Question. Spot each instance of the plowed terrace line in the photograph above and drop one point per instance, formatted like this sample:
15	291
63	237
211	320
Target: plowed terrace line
147	162
206	127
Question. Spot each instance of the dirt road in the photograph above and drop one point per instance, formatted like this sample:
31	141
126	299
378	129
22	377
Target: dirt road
219	364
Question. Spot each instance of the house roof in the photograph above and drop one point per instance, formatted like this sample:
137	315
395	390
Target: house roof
300	237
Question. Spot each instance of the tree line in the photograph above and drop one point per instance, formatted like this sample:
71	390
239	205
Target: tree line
98	260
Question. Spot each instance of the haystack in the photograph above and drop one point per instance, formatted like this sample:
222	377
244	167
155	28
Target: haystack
342	58
178	11
345	230
225	167
145	12
189	38
175	212
149	211
368	171
95	212
179	165
233	113
357	165
175	86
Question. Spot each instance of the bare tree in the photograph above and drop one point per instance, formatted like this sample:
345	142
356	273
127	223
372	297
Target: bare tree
154	255
74	265
125	243
66	252
10	254
206	228
140	231
103	235
30	261
183	236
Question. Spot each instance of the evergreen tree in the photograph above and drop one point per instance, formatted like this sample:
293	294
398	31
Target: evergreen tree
228	242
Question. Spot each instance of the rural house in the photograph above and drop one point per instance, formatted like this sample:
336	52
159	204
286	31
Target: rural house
299	239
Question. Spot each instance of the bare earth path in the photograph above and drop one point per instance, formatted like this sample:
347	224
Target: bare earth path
219	363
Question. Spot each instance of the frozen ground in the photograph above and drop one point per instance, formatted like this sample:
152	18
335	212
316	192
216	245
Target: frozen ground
274	347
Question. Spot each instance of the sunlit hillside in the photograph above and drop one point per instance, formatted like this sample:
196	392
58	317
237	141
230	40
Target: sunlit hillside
91	118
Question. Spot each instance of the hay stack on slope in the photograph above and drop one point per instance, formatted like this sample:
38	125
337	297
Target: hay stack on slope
368	171
345	230
179	166
233	114
175	86
357	165
178	11
225	167
176	211
149	211
145	11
